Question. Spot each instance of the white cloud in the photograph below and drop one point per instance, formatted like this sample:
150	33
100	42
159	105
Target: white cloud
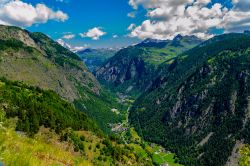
70	47
63	1
94	33
131	27
235	1
68	36
167	18
158	3
19	13
242	5
202	2
63	43
131	14
115	36
79	48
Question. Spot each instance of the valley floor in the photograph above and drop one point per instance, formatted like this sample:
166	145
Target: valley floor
158	154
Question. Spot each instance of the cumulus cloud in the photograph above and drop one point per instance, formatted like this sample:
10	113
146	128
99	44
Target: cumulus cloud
167	18
202	2
94	33
158	3
19	13
70	47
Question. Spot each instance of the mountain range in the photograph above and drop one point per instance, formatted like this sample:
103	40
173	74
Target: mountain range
132	69
52	109
179	102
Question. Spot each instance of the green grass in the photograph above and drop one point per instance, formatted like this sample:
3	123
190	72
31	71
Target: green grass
245	156
139	150
165	158
134	135
159	56
20	150
47	148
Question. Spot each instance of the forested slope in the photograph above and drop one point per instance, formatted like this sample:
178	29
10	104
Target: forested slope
198	105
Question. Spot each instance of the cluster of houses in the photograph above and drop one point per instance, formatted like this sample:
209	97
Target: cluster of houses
117	128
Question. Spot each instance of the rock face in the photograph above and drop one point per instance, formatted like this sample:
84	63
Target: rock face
205	90
124	68
136	66
39	61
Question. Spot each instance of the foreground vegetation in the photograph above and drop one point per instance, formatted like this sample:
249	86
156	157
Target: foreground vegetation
35	107
18	149
37	127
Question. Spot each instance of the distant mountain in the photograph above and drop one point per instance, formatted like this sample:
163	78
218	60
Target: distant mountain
247	31
198	106
94	58
154	43
132	69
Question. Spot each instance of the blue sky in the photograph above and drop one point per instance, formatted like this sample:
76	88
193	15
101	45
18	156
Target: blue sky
110	15
104	23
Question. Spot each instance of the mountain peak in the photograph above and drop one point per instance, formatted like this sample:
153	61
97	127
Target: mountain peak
149	40
153	43
178	37
87	50
247	32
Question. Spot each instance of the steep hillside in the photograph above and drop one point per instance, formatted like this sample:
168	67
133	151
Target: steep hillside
132	69
94	58
39	61
34	107
198	106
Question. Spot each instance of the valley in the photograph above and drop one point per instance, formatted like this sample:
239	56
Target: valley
132	69
94	58
125	83
161	102
24	142
160	114
56	112
159	155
